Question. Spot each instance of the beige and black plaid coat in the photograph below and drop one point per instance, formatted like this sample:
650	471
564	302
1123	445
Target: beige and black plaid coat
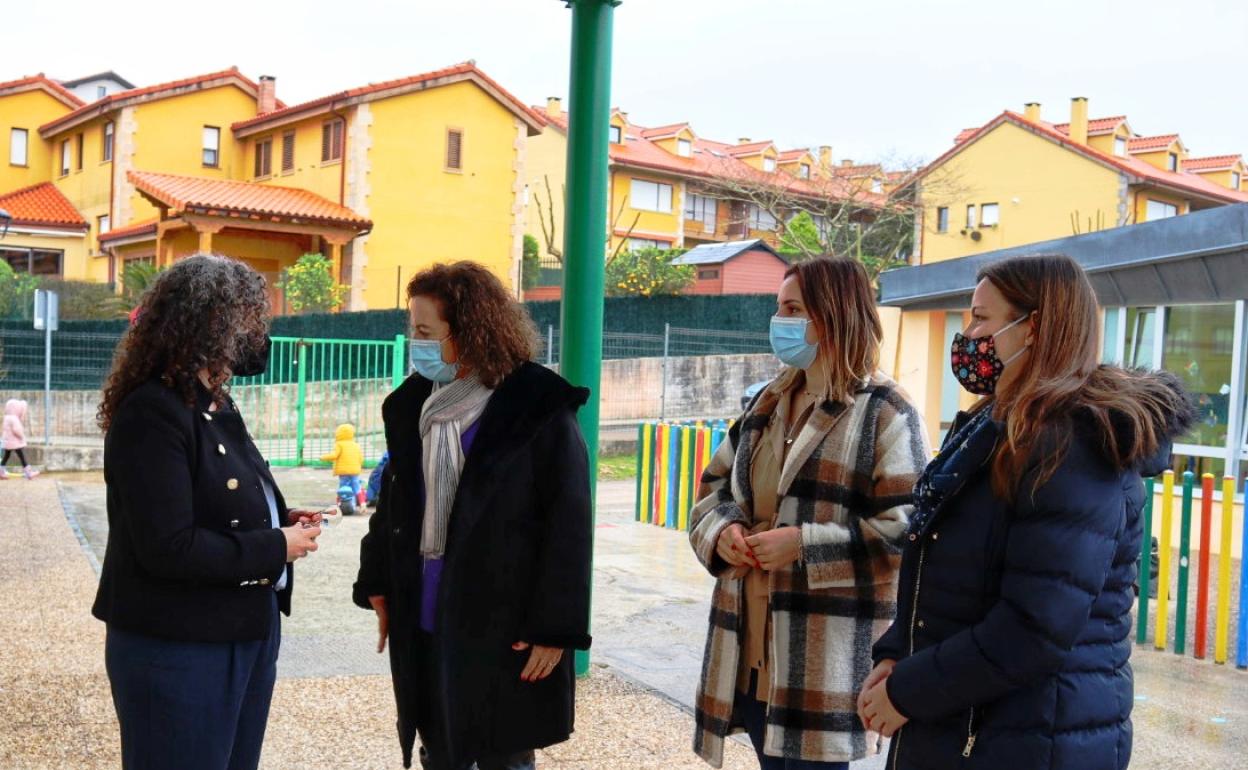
848	483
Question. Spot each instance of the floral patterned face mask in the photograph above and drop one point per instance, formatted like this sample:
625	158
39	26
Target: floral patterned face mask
975	362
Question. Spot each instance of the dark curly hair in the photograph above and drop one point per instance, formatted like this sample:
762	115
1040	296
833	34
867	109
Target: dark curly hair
205	312
493	332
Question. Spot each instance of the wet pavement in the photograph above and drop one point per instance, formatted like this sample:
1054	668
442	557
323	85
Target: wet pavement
650	609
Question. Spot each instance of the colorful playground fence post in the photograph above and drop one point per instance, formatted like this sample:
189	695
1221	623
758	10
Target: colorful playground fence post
1163	566
1146	552
645	433
1201	643
1222	620
1185	552
1241	658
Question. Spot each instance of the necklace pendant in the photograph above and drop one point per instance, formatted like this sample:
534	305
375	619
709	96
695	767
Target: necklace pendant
788	442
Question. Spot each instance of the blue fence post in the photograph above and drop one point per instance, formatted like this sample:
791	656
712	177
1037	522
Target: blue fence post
1241	636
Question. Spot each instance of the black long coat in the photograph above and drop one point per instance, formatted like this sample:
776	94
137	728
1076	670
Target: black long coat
192	553
517	568
1013	624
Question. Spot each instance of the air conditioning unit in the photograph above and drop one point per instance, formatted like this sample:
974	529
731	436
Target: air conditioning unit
976	235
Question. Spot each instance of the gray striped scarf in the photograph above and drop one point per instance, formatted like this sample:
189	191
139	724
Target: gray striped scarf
446	413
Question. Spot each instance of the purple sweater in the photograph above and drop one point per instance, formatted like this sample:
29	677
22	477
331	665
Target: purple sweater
431	574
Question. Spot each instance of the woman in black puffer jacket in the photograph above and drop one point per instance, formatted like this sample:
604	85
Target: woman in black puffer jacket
1011	643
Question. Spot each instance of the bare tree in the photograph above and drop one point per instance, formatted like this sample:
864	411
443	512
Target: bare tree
550	237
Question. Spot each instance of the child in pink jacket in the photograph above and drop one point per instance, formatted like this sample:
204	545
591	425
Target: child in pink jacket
13	437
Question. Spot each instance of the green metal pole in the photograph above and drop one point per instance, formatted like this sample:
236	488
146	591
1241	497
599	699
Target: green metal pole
397	373
585	217
1146	563
301	398
1185	552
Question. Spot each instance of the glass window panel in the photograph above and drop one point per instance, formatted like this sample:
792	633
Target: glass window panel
18	139
1192	353
1109	336
1141	323
990	214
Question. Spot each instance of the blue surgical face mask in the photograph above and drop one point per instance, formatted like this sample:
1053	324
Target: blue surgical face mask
788	342
426	358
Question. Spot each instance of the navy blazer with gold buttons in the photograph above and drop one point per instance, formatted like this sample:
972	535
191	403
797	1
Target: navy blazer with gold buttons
192	552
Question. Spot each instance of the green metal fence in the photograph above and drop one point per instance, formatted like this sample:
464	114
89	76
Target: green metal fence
314	385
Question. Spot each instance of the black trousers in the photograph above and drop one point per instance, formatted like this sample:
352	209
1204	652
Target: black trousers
21	457
432	752
191	705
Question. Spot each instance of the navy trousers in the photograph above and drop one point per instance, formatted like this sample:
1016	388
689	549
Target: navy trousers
753	712
191	705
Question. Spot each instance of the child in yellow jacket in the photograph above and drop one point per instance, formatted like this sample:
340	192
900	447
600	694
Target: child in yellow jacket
347	457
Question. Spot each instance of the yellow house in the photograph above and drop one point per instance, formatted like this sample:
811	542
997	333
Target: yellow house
435	162
25	105
1019	179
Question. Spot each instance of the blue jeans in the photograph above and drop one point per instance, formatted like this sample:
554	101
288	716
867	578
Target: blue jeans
754	712
191	705
351	481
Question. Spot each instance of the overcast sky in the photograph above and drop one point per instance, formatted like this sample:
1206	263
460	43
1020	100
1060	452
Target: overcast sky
876	79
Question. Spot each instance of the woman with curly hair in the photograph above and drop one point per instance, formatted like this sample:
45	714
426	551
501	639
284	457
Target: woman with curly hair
477	561
198	560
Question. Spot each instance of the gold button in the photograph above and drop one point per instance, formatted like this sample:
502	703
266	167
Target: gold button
220	449
935	535
232	484
264	581
913	537
922	624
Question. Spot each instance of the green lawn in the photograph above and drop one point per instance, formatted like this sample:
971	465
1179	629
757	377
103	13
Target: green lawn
617	467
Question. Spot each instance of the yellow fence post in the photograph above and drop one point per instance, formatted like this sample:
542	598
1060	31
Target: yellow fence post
1222	624
1163	569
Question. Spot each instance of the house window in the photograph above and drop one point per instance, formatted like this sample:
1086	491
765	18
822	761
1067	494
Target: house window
101	92
19	141
651	196
78	140
212	146
970	216
617	135
637	244
106	142
769	164
1234	180
264	158
702	208
1172	162
33	261
102	225
65	157
331	140
454	149
942	219
1160	210
708	274
1120	146
803	171
684	148
989	214
761	218
877	186
288	152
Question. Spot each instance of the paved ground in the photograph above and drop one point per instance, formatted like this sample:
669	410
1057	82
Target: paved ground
650	609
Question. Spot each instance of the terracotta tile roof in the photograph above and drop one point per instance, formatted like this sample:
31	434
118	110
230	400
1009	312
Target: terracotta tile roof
245	199
965	134
752	148
41	82
1151	143
42	205
559	121
454	74
662	131
161	90
1141	170
861	169
1096	125
1212	163
791	155
145	227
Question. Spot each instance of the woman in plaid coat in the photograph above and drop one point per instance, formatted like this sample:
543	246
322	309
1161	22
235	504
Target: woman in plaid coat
801	517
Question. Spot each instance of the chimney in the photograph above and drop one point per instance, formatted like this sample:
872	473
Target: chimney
1031	111
554	106
846	163
743	140
825	156
1079	120
266	100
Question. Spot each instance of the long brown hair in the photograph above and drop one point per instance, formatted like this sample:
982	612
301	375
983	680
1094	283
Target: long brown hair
1062	378
841	304
205	312
493	332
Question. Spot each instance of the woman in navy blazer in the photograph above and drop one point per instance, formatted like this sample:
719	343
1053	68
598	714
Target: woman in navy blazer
200	541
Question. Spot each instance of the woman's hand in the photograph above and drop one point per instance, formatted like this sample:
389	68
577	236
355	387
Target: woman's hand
300	540
776	548
877	675
542	661
383	620
877	711
732	548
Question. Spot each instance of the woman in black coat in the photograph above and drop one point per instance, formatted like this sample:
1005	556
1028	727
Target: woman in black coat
197	565
1012	640
477	561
